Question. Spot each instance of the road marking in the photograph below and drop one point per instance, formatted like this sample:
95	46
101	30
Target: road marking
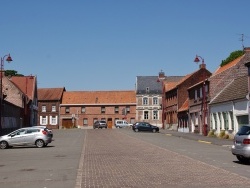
168	134
204	142
80	168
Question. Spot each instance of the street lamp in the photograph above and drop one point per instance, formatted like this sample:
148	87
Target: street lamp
162	103
204	104
8	59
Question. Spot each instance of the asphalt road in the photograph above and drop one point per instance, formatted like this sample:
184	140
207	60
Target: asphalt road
121	158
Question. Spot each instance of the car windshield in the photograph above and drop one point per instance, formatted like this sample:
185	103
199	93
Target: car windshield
244	130
102	121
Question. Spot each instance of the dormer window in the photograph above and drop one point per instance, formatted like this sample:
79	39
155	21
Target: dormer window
147	89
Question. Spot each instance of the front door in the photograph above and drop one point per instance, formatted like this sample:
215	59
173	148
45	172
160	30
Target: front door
110	123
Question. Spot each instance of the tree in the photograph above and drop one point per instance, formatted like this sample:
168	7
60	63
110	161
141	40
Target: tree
232	57
12	73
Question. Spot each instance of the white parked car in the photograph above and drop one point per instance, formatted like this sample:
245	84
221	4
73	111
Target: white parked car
122	123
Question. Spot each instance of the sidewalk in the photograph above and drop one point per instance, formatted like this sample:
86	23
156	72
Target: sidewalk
198	137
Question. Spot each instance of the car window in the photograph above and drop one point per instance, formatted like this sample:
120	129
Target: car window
21	132
244	130
29	131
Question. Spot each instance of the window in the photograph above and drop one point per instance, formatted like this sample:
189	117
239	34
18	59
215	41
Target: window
201	92
195	95
44	120
83	109
145	100
155	100
147	89
67	110
127	109
103	109
53	120
85	122
43	108
116	109
53	108
155	114
145	114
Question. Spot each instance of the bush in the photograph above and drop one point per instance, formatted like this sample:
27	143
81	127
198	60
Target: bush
234	55
211	133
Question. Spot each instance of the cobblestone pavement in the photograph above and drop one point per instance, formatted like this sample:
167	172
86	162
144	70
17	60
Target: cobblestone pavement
111	159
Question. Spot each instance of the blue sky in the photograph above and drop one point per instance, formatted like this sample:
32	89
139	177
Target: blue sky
104	44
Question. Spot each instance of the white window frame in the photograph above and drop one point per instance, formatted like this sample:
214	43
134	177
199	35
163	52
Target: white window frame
53	120
53	108
43	108
146	114
155	100
145	100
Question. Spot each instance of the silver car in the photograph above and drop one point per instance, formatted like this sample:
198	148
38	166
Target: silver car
241	146
29	136
100	124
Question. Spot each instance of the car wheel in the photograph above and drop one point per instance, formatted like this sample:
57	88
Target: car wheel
154	130
243	159
136	130
4	145
40	143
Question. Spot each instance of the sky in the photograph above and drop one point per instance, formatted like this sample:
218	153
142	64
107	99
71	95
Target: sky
102	45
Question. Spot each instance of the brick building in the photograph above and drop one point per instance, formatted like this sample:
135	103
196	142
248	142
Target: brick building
176	98
49	100
83	108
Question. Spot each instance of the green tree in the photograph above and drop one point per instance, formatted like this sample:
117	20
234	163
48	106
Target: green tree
232	57
11	73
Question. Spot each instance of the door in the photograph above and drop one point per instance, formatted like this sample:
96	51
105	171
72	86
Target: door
67	123
17	138
110	123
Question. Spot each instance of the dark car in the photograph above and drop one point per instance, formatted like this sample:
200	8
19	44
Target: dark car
144	126
100	124
241	146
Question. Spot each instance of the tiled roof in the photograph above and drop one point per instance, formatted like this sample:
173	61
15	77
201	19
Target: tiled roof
184	107
48	94
99	97
227	66
237	89
27	84
171	85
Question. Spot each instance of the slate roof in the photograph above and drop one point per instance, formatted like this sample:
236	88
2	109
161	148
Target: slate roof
237	89
143	82
50	94
99	97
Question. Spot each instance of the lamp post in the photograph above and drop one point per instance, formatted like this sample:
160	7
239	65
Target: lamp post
204	104
162	103
8	59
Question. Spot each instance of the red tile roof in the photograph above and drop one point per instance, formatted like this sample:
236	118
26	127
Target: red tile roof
227	66
99	97
184	107
50	93
27	84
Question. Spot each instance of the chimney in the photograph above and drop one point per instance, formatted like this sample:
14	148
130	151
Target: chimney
247	49
202	66
161	75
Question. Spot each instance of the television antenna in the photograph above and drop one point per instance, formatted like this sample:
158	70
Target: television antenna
242	38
